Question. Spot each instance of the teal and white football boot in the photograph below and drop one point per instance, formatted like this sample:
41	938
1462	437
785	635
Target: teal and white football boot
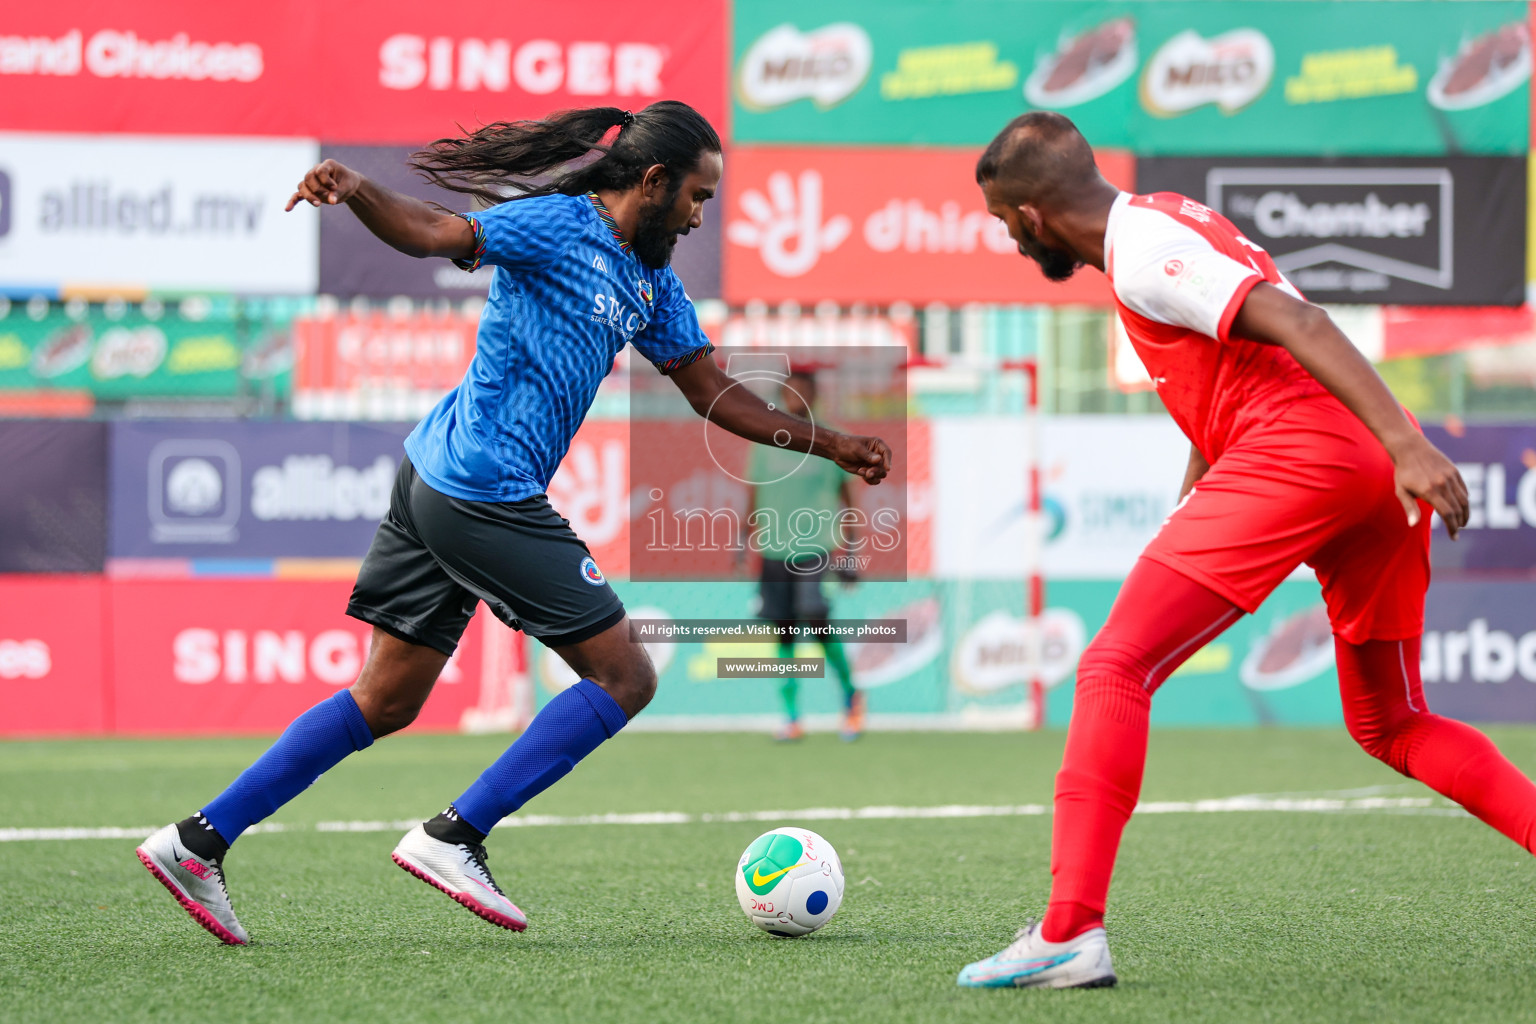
1031	962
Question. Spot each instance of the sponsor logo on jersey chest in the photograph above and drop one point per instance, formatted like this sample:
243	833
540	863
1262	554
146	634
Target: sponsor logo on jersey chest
612	311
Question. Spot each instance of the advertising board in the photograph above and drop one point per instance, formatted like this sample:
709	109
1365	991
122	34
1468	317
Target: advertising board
880	225
134	213
248	656
1498	464
1421	231
378	365
1108	484
83	655
53	505
1171	77
1478	658
53	667
249	489
406	73
136	351
964	661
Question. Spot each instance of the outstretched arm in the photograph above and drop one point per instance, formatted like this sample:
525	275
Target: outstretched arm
713	396
1275	317
410	225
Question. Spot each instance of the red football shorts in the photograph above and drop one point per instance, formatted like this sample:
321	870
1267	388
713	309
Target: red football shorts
1312	486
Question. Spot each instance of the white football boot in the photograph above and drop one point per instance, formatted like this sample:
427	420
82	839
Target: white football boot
197	884
1031	962
458	870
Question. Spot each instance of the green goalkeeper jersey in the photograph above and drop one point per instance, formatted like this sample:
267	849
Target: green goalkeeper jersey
803	494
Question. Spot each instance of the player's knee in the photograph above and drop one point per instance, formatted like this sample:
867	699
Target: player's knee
642	681
1383	738
1105	658
632	682
1370	741
386	714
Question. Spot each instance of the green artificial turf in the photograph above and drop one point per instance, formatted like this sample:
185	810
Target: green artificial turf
1253	916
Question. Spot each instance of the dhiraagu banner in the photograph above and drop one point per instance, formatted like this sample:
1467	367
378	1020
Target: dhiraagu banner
1268	77
963	665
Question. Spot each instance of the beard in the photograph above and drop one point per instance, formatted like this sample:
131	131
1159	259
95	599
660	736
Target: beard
654	241
1055	264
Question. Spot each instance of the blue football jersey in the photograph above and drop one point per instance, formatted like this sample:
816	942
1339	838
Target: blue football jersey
568	295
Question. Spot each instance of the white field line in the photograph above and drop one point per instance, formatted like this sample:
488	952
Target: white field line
1223	805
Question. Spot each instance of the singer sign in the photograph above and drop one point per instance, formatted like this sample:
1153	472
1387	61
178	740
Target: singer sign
405	73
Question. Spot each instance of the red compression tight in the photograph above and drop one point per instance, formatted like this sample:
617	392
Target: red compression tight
1385	712
1159	619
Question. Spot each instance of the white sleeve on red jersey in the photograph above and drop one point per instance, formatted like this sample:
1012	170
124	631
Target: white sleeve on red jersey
1167	272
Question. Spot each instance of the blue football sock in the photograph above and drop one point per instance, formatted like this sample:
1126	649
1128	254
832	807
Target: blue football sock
311	745
570	727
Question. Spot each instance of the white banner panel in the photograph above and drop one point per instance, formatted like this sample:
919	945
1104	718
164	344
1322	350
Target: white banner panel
1109	482
145	212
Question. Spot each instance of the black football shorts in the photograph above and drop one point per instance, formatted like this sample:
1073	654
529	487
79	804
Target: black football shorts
792	594
434	557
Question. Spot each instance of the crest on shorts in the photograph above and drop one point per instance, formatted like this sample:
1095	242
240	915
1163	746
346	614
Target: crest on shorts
591	573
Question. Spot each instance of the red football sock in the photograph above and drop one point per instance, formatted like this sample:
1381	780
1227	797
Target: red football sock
1385	711
1159	619
1096	791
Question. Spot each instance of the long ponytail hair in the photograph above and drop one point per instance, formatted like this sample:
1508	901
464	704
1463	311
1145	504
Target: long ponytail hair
518	159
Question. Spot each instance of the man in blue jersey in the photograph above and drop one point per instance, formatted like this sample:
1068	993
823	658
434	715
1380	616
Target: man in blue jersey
600	197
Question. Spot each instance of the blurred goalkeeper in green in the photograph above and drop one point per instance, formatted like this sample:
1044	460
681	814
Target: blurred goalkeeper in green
803	502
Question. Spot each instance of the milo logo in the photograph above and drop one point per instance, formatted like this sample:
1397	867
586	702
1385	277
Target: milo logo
1189	71
769	859
826	66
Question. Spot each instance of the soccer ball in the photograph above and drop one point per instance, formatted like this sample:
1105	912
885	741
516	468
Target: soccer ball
789	882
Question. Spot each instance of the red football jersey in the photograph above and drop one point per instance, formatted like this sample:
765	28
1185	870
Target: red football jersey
1180	272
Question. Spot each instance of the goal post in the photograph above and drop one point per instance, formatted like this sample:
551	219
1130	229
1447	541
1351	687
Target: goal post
1032	633
1034	541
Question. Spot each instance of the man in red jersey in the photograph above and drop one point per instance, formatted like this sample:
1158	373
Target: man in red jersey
1299	454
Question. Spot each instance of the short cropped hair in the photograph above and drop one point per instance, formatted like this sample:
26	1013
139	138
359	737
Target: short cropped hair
1037	156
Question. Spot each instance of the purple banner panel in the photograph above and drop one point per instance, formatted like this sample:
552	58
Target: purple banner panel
250	489
53	504
354	262
1498	462
1479	653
